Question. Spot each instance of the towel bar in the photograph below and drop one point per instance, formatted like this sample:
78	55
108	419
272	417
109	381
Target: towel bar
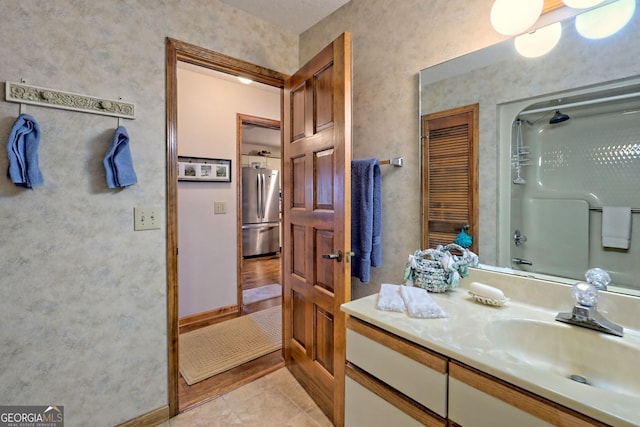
396	161
633	210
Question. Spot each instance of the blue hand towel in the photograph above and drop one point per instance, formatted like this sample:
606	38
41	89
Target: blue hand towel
366	217
22	149
118	163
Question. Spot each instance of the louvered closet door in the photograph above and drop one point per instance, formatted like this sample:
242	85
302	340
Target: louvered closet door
449	175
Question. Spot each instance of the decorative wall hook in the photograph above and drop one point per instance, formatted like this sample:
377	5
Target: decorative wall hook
25	94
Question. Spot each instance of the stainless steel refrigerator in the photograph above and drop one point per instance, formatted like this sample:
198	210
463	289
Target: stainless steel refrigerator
260	212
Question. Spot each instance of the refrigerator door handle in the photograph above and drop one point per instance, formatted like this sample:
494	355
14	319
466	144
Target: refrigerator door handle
259	207
263	196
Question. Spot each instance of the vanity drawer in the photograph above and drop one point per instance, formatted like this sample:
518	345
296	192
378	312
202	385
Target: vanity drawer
404	366
371	403
478	400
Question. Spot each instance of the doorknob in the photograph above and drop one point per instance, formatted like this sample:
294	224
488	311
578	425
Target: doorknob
337	255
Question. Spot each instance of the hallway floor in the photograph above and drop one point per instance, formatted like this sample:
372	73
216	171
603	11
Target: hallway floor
273	400
256	272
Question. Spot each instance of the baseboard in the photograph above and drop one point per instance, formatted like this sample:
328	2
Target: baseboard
206	318
150	419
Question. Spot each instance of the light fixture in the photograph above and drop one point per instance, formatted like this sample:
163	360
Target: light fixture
538	42
245	80
512	17
581	4
606	20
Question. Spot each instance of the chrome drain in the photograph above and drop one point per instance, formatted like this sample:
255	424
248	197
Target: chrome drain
579	379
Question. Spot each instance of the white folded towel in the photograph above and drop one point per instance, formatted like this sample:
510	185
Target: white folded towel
420	304
616	227
389	298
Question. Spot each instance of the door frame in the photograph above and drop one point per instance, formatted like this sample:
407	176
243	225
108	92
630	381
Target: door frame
175	51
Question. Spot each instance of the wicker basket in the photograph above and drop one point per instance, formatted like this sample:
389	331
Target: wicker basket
439	270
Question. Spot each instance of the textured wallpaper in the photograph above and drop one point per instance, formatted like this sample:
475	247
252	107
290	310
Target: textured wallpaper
392	42
83	307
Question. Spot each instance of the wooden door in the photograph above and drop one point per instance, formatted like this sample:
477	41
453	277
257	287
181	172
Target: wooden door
316	222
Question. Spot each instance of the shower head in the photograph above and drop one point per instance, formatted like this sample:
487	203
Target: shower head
558	117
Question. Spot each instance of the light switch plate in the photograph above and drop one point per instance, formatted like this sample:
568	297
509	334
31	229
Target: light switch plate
219	208
146	218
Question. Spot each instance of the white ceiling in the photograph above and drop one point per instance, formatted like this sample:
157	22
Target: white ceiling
294	15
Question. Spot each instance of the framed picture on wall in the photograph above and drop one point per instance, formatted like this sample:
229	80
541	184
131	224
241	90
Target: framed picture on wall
204	169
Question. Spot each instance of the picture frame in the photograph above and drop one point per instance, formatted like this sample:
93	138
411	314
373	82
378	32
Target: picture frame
204	169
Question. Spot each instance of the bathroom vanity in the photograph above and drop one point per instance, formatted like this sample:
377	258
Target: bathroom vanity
492	366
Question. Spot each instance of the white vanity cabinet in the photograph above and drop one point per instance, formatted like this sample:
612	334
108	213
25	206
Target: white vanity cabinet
391	381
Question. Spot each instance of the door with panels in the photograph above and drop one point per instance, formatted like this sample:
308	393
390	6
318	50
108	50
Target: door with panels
316	223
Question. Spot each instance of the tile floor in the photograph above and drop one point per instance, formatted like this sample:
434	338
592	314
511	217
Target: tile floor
273	400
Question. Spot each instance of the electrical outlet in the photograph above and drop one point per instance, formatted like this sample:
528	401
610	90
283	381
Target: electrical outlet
146	218
219	208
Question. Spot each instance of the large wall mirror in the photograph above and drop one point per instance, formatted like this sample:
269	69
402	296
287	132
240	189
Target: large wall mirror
550	181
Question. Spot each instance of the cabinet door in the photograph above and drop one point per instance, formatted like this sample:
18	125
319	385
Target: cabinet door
364	408
370	402
273	163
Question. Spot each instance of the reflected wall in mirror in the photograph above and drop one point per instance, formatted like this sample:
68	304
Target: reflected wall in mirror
505	84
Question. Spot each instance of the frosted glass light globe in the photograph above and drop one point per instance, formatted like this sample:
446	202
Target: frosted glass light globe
581	4
538	42
606	20
512	17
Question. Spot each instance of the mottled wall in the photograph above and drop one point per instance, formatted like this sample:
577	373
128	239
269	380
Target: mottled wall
83	307
392	42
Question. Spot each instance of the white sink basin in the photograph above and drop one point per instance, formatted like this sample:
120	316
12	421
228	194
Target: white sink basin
604	361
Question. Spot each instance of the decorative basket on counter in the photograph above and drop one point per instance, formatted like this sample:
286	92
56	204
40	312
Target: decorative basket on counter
439	270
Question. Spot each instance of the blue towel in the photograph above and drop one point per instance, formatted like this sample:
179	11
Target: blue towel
366	217
117	162
22	149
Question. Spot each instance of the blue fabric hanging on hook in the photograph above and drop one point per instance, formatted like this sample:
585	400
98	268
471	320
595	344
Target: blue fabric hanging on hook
117	162
463	239
22	150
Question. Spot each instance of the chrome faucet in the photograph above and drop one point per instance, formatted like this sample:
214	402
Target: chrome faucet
521	261
585	312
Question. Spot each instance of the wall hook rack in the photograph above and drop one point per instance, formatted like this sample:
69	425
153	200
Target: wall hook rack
27	94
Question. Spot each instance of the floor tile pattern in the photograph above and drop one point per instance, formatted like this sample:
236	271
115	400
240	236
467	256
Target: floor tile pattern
275	400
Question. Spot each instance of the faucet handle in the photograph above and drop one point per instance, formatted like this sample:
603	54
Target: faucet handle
598	278
585	294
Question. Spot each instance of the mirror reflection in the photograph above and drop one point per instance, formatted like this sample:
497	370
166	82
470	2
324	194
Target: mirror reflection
559	148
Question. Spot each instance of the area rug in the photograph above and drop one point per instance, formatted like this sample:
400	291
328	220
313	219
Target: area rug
217	348
261	293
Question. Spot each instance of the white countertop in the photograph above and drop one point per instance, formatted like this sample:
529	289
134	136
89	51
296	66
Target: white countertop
462	337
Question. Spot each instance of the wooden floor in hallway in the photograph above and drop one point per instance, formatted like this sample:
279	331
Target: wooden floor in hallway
260	271
256	272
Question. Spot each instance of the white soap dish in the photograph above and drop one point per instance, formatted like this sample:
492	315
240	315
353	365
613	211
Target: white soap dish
488	301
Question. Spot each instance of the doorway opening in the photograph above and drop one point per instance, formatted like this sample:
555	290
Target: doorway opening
181	395
259	139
